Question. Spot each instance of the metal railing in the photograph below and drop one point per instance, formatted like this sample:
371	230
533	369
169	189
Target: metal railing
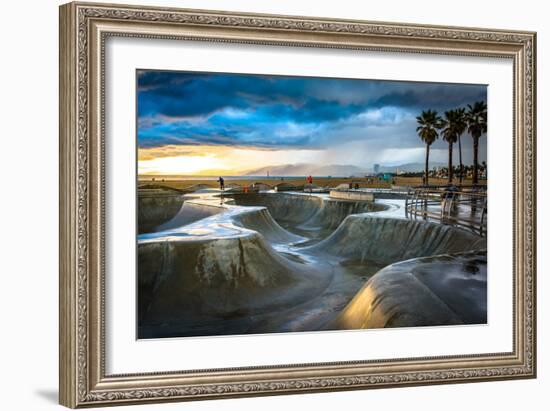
464	206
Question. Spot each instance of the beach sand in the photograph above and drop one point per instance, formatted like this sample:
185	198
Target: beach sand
363	182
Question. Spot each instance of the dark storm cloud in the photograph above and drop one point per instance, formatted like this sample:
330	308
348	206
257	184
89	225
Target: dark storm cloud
280	111
436	96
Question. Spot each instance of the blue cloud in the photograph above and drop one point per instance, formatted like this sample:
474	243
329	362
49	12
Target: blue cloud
281	111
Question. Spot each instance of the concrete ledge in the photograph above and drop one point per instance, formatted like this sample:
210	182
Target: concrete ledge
352	195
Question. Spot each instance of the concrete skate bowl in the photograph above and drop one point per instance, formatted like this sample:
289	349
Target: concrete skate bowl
237	271
434	275
258	219
313	216
167	210
387	240
156	206
428	291
231	285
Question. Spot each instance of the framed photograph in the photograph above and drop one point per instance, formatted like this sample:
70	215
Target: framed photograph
259	204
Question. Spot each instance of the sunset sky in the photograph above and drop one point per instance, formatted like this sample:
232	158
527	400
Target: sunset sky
228	124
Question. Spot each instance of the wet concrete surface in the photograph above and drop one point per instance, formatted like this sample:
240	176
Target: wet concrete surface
155	207
276	262
440	290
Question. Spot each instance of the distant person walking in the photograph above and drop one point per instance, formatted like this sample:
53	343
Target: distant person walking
222	183
309	184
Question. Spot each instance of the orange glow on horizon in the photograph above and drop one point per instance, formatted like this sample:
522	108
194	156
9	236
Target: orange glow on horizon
215	160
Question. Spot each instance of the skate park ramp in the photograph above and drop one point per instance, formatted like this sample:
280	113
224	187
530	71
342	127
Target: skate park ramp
309	215
387	240
156	206
222	285
163	210
188	213
246	264
440	290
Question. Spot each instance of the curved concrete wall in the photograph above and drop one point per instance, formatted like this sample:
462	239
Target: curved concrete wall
188	213
154	210
281	206
332	212
388	240
303	213
441	290
260	220
217	283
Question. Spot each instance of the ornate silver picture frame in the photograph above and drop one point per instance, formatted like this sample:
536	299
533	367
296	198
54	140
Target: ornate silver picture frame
84	30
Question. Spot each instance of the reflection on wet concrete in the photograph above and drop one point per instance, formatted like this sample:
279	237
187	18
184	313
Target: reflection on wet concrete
276	262
440	290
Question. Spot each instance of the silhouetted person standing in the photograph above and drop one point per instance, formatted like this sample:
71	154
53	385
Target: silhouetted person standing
222	183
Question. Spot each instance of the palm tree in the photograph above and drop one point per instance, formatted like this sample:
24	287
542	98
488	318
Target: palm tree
477	126
461	124
450	134
429	122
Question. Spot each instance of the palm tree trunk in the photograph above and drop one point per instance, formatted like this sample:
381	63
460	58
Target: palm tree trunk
460	159
476	166
427	164
450	163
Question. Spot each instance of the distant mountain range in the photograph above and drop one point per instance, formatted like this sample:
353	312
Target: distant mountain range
335	170
305	169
